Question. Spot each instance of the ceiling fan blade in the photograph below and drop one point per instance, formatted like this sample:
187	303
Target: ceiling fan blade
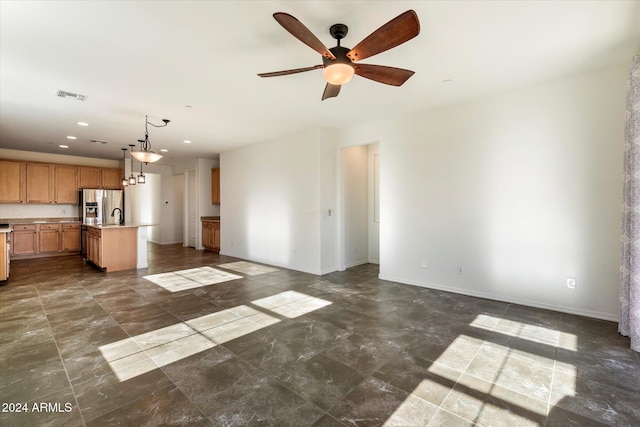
287	72
400	29
380	73
330	91
302	33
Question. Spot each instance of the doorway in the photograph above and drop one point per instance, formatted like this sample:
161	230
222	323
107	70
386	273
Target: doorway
361	205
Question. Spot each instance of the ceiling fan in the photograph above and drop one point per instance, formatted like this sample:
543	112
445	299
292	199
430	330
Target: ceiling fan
339	63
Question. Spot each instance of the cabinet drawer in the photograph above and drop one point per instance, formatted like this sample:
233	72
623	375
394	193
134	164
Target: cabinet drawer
71	226
49	226
24	227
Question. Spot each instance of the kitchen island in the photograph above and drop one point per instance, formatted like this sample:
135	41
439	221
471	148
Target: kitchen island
5	233
113	247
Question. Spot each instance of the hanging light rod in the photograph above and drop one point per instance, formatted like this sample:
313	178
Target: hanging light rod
145	155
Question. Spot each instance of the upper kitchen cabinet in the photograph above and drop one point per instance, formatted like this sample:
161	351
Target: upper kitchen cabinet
109	178
65	189
48	183
12	180
39	183
90	177
215	186
112	179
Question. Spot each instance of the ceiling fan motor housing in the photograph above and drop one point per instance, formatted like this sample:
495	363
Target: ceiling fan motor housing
341	56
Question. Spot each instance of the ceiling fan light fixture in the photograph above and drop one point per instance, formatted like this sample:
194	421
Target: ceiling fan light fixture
338	73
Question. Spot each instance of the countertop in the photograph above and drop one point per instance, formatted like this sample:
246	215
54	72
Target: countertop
209	218
6	230
12	221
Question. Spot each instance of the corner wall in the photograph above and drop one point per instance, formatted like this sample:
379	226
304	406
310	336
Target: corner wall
275	201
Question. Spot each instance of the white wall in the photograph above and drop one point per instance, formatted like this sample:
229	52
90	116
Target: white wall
521	190
274	201
328	237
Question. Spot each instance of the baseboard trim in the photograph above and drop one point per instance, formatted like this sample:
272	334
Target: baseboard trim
496	297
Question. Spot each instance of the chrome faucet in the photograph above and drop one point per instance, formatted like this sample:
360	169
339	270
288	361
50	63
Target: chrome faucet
120	221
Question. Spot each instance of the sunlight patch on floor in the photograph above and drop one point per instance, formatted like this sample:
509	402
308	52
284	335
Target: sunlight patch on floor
248	268
517	370
143	353
291	304
525	331
192	278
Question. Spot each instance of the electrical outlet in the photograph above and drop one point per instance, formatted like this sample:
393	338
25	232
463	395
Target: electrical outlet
459	270
571	283
423	264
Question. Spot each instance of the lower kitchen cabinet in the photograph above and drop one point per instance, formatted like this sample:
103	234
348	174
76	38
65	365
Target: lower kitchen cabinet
47	239
211	235
24	240
70	239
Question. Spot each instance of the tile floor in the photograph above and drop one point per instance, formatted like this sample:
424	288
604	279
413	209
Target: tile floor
282	348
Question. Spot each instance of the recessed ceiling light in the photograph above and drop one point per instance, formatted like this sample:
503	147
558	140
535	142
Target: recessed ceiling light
186	141
83	124
63	146
164	150
71	137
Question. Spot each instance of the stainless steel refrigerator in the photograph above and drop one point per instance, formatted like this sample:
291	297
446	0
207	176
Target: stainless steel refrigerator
102	206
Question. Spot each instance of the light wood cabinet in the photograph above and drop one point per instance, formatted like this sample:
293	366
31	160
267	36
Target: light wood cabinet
44	183
215	186
4	274
65	190
112	179
49	238
39	183
211	235
70	239
113	249
90	177
108	178
43	240
24	240
12	181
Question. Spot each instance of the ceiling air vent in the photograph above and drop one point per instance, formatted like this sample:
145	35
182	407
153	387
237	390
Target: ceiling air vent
97	141
65	94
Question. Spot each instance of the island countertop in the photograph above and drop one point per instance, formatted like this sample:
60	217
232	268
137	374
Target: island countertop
125	225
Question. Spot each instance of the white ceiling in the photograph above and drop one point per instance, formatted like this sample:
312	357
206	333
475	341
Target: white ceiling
137	58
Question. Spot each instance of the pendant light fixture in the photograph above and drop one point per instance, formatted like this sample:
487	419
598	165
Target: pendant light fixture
132	178
125	180
145	155
141	177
